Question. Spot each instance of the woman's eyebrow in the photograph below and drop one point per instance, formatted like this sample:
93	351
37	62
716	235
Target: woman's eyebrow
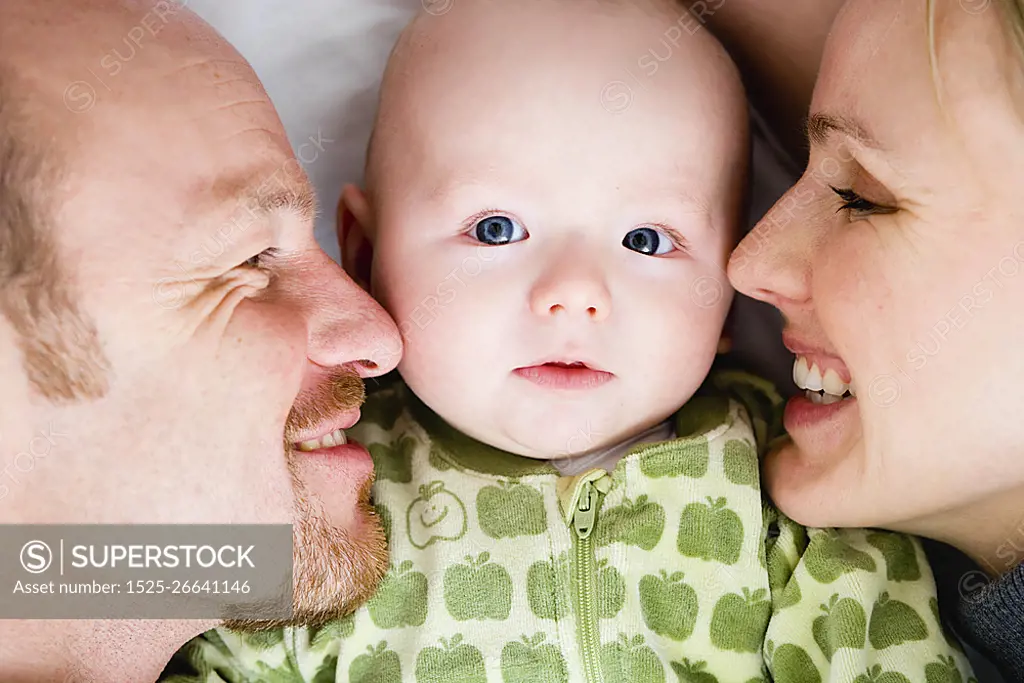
821	125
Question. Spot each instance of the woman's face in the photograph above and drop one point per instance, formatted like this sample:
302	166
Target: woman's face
907	279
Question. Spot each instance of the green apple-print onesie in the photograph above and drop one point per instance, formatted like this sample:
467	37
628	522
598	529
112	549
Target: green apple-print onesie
672	567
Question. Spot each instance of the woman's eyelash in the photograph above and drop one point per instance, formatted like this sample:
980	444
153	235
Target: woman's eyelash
855	203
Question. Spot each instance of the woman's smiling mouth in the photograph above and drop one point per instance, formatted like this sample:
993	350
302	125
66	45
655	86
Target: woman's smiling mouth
823	384
827	393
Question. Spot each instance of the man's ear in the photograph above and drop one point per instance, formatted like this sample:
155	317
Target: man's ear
354	234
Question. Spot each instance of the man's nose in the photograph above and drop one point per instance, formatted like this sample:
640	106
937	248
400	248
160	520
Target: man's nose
346	326
572	286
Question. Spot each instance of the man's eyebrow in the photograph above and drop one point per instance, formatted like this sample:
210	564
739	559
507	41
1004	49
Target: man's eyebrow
298	199
820	126
254	194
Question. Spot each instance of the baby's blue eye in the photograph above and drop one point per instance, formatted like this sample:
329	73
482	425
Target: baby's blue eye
647	241
497	230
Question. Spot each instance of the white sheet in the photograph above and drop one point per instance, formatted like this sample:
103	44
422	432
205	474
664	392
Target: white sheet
321	62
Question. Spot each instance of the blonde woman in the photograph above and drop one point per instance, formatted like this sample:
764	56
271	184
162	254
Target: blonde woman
897	262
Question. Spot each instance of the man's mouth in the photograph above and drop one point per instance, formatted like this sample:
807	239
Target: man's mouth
335	438
328	434
824	380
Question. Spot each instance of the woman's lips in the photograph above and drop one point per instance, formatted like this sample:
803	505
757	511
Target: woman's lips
564	375
802	413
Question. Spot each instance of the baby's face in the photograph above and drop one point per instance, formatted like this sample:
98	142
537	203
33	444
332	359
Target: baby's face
556	265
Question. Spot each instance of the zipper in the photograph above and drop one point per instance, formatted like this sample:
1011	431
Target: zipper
584	517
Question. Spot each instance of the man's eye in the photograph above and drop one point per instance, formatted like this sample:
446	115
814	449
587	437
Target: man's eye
497	230
648	241
857	205
262	259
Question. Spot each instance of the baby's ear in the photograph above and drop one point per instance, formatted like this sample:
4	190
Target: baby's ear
354	234
725	341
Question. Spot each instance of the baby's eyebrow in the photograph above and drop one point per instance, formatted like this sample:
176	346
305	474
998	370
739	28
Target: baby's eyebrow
449	185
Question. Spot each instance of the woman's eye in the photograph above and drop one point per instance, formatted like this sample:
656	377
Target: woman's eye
497	230
260	260
857	205
648	241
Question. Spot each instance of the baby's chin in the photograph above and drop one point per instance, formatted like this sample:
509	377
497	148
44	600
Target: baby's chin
564	439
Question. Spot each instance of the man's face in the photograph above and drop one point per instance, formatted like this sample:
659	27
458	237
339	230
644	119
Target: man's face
184	228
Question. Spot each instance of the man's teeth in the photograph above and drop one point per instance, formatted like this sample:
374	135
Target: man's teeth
808	376
335	438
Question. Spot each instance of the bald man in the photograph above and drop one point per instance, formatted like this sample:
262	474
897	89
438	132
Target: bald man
167	319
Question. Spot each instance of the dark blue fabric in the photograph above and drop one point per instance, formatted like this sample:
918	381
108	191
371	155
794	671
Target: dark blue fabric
991	617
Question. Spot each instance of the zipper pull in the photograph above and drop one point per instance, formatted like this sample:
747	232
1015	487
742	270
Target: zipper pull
579	498
585	515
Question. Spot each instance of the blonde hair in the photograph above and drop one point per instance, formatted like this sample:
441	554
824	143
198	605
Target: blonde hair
1013	19
1011	13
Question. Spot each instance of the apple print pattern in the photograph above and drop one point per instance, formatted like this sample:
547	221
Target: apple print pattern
740	462
843	624
393	462
693	575
401	599
899	553
789	662
611	590
453	661
377	665
876	675
435	515
530	660
639	523
688	459
830	556
692	672
629	660
944	670
894	623
738	621
711	532
331	632
478	589
668	605
511	509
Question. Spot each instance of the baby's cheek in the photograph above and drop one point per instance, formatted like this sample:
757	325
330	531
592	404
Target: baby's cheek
679	338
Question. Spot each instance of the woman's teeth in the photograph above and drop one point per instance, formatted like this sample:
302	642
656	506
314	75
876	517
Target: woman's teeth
335	438
821	389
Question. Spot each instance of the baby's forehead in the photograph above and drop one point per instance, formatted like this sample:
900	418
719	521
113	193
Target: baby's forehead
603	50
551	90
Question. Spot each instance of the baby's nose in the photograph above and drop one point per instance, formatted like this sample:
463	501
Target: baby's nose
572	294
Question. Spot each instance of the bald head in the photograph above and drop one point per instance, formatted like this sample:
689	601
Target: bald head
77	82
46	48
488	69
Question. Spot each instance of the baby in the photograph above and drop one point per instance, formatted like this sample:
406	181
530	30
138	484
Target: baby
553	188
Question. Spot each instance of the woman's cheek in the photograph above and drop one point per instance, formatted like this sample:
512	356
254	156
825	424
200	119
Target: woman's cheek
855	287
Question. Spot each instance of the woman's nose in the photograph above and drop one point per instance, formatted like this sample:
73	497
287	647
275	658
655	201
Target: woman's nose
772	263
